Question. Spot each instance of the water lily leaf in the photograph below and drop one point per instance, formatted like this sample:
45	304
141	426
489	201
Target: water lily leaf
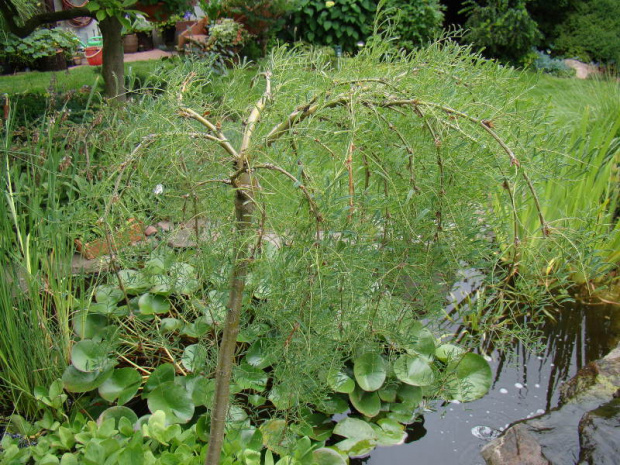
87	325
388	393
194	357
473	377
236	414
117	413
357	448
409	395
162	374
249	377
170	325
276	436
174	400
108	294
122	385
134	282
448	352
422	341
75	380
370	371
389	432
414	370
327	456
282	397
333	405
89	356
150	304
340	382
354	428
402	413
367	403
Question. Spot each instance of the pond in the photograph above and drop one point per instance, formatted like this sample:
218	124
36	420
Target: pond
525	384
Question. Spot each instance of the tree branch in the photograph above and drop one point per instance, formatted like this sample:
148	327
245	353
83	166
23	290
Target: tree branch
9	12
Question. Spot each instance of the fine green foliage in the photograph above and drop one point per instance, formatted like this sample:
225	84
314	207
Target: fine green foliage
502	29
591	32
415	22
342	23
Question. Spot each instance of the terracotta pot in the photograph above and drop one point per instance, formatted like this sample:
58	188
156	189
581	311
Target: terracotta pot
130	43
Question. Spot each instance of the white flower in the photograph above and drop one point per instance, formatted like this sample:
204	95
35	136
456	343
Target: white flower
159	189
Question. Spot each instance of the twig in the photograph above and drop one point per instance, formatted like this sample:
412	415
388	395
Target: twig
218	136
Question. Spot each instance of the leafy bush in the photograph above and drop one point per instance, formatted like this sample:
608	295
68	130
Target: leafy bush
591	32
341	23
502	29
41	43
416	22
550	65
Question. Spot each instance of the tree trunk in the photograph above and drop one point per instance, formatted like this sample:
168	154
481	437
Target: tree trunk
244	208
113	66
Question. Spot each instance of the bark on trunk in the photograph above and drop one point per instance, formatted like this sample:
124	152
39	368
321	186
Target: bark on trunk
244	208
113	69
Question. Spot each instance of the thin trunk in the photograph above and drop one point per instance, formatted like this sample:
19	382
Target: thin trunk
113	69
244	208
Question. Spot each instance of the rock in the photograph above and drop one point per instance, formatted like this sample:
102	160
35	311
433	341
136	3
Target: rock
583	70
599	435
516	447
584	429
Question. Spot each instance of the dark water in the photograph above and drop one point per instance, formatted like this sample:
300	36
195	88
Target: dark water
524	385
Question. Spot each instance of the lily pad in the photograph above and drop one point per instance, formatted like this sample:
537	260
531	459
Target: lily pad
367	403
259	356
249	377
370	371
333	405
414	370
473	377
354	428
122	385
340	382
327	456
174	400
448	352
422	341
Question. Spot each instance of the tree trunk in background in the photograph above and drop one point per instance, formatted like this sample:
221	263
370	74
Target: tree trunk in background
113	67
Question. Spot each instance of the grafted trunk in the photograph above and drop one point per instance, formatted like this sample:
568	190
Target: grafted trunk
113	69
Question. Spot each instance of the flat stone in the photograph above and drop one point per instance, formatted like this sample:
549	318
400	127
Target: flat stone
599	435
516	447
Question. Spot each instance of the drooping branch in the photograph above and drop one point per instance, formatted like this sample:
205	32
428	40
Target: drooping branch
10	14
218	136
250	124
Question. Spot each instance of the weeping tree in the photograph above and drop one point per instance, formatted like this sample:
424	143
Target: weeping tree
379	174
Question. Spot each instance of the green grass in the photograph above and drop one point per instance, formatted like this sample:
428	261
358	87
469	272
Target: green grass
71	79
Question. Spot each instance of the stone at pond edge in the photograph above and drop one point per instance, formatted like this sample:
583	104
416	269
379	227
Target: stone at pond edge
583	430
516	447
599	435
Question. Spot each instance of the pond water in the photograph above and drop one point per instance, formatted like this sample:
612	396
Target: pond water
525	385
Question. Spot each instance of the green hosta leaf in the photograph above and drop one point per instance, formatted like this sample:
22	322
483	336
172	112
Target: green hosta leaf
414	370
117	413
367	403
174	400
340	382
249	377
79	381
88	325
370	371
108	294
162	374
194	357
448	352
134	282
122	385
473	377
150	304
89	356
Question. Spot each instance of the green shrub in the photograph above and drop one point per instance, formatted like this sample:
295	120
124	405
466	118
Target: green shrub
40	44
502	29
342	23
592	32
555	66
416	21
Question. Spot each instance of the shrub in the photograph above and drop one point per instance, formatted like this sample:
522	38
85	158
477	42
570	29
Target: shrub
592	32
40	44
502	29
416	22
343	23
547	64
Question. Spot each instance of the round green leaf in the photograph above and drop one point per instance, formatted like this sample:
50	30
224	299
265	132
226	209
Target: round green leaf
161	374
367	403
370	371
108	294
89	356
354	428
276	436
174	400
249	377
194	357
87	325
448	352
149	304
414	370
259	356
185	281
340	382
79	381
409	395
134	282
122	385
422	341
326	456
473	375
117	413
170	325
333	405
